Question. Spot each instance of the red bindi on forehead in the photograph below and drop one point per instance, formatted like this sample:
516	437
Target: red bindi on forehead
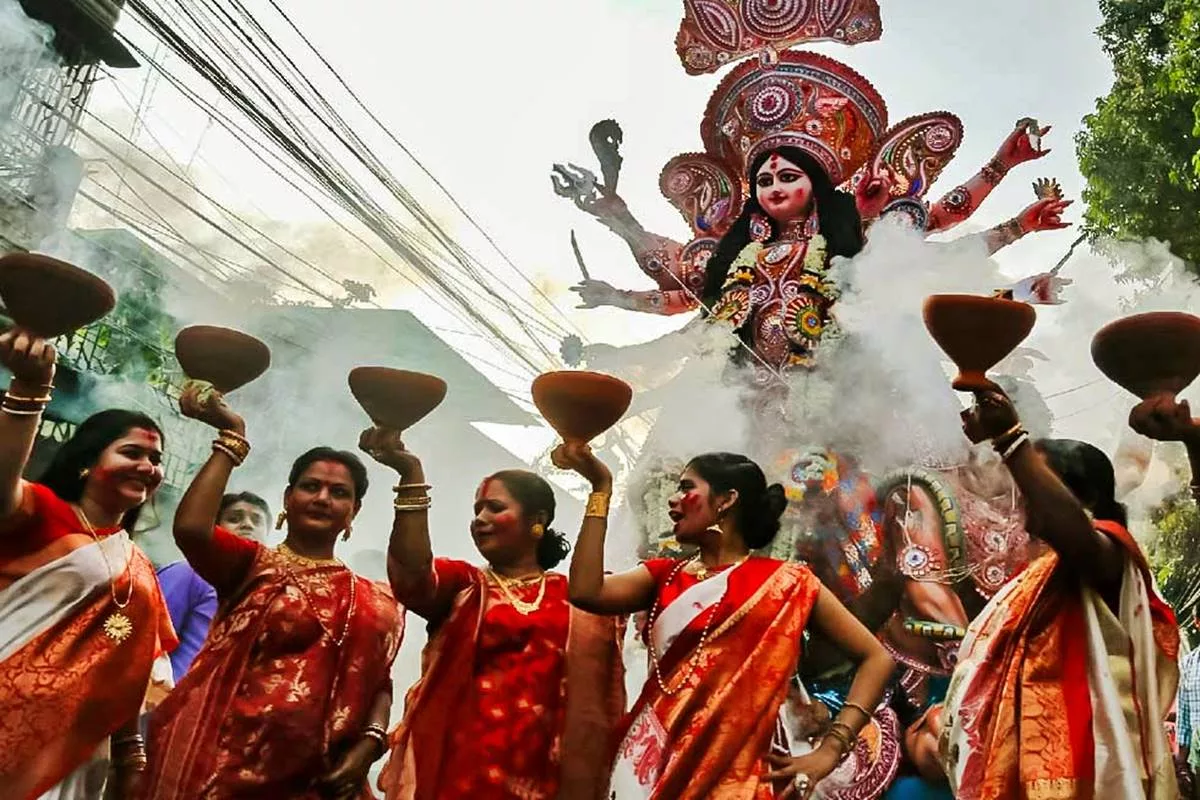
144	437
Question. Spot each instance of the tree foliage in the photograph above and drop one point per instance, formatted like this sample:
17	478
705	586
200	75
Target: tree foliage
1175	552
1140	149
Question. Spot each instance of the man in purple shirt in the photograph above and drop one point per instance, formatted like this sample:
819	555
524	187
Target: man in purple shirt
190	599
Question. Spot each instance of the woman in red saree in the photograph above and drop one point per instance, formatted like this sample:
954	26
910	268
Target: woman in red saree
519	692
84	629
290	694
724	632
1064	680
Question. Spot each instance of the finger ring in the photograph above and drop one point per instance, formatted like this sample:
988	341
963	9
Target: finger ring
801	781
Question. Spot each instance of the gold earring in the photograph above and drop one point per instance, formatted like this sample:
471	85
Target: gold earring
538	530
279	520
346	533
83	473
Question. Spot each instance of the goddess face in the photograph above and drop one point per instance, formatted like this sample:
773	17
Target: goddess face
783	189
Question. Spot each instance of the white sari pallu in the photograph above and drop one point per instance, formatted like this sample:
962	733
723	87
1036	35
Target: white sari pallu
727	651
71	671
1056	696
641	755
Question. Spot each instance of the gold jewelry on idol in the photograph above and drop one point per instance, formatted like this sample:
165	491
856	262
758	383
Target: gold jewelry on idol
523	607
291	555
280	519
597	505
117	626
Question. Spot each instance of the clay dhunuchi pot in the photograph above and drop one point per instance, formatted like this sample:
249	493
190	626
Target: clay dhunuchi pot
396	398
226	358
51	297
977	332
1150	354
581	405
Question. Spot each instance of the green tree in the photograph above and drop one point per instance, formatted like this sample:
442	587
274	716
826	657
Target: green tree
1140	150
1174	551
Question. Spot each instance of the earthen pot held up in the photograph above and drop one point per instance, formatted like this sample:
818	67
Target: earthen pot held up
1150	354
51	297
396	398
977	332
226	358
581	405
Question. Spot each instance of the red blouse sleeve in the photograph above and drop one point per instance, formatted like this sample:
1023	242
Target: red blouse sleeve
660	569
434	598
225	562
40	519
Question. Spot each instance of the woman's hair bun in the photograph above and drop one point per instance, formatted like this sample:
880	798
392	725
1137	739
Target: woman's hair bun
777	501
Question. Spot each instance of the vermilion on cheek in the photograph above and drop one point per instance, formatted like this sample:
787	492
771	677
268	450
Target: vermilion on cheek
690	501
505	520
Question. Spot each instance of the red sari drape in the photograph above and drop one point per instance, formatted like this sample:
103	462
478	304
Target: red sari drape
1019	719
508	705
70	686
710	738
271	702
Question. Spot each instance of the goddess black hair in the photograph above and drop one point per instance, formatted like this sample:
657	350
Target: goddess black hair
837	211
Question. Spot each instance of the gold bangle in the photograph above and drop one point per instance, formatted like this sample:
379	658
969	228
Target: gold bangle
1010	432
418	504
219	447
858	708
401	487
44	400
238	446
232	434
21	412
597	505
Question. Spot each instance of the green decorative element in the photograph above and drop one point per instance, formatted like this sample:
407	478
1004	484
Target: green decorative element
948	511
1140	149
939	631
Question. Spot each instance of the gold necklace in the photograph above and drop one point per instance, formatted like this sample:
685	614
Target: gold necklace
117	626
694	661
308	561
523	607
702	572
290	554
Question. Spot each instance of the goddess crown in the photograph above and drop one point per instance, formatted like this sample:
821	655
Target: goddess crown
803	100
